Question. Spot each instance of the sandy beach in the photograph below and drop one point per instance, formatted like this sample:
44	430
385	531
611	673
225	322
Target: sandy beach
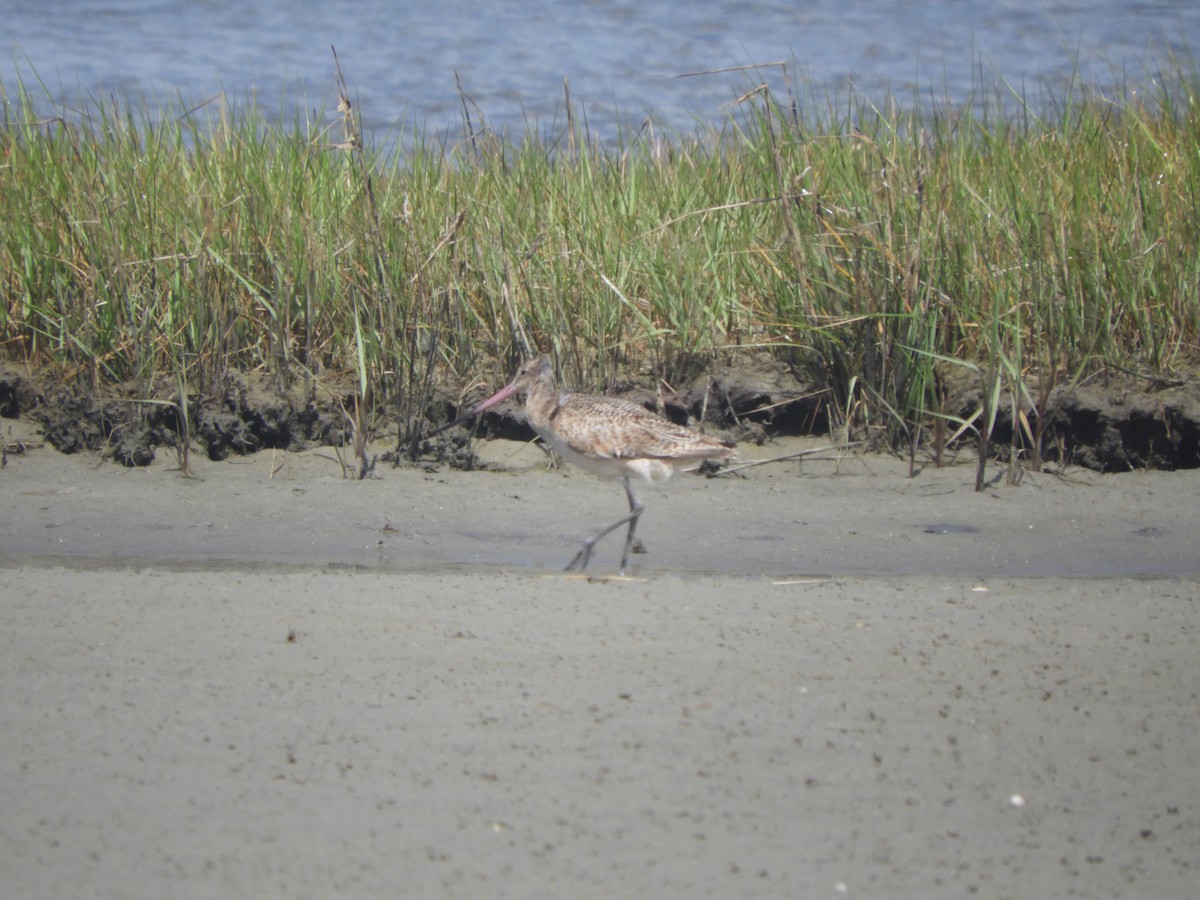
823	679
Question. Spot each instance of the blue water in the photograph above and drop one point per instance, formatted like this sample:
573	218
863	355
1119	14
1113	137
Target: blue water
623	58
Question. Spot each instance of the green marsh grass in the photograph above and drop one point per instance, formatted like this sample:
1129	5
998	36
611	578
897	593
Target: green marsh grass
875	248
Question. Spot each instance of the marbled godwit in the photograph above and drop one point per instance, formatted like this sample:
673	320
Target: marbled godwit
607	436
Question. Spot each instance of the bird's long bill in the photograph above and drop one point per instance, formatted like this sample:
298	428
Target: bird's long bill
499	397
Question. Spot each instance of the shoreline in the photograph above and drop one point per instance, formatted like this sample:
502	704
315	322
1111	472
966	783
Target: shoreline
820	681
853	516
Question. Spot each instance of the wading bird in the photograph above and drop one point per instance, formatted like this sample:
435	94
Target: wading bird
607	436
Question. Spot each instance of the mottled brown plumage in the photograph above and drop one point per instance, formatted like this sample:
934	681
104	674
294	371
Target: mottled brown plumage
607	436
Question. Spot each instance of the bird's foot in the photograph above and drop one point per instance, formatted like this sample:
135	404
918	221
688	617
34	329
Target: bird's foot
582	558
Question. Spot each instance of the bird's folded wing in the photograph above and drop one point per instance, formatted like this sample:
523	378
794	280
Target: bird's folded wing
632	432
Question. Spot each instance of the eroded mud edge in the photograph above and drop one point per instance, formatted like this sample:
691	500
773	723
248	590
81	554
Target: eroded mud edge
1116	422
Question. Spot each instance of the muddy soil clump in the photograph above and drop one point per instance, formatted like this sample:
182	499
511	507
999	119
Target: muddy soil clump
128	424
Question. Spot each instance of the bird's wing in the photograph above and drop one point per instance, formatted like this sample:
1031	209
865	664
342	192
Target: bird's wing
612	428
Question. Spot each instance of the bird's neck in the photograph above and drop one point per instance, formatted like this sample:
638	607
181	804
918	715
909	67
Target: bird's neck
543	398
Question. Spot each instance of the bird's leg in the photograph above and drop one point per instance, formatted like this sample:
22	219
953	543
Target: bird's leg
635	511
585	552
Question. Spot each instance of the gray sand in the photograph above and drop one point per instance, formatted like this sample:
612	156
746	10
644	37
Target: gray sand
826	680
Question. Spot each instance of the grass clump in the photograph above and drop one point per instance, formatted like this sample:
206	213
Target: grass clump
877	249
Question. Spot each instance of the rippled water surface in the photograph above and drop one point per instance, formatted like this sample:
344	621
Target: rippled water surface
622	57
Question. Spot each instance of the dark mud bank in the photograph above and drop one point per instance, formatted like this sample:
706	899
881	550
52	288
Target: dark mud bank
1114	423
128	427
